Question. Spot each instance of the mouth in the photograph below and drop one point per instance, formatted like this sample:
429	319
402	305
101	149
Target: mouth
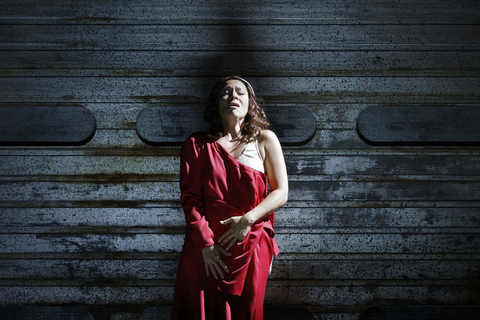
234	104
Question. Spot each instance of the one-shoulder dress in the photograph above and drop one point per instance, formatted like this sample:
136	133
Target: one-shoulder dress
215	186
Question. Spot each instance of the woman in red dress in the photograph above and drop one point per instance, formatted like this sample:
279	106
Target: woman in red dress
229	241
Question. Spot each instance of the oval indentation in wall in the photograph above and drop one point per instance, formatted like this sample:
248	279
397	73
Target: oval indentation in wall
293	125
46	125
420	125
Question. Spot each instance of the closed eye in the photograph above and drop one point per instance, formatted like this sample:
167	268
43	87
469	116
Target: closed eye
227	91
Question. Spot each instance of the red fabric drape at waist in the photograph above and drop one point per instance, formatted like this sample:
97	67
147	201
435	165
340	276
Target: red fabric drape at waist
218	210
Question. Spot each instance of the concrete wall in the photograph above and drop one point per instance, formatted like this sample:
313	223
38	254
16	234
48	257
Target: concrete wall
100	224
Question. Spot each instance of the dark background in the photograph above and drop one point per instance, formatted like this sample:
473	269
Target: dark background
100	225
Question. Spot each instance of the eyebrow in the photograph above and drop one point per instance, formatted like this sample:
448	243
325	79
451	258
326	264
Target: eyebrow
233	87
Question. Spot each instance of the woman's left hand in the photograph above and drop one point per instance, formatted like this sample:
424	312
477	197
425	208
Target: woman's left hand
239	228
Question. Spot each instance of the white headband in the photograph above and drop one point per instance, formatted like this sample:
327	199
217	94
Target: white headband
249	85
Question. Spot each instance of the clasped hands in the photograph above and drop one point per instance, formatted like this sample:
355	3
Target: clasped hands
239	228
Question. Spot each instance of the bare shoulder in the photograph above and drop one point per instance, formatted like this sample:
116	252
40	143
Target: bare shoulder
267	136
275	167
268	143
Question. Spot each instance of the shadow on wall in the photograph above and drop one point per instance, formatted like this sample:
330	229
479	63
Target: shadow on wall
226	62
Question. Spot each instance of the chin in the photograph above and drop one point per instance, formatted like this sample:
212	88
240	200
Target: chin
234	113
238	113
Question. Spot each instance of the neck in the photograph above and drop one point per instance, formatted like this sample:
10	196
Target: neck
231	127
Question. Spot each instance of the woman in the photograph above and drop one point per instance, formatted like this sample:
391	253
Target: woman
229	242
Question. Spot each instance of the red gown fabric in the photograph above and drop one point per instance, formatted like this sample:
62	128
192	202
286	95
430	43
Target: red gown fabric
215	186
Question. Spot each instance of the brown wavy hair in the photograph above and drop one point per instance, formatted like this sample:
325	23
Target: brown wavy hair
255	119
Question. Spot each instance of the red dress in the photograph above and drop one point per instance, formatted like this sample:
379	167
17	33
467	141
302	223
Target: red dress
215	186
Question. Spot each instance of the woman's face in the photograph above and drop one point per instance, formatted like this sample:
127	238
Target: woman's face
233	100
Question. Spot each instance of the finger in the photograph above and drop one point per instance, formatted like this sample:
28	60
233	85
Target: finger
223	265
218	267
224	251
206	269
214	272
227	239
234	240
226	221
235	234
225	234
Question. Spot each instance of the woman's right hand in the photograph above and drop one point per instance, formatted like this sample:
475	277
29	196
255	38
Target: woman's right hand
213	261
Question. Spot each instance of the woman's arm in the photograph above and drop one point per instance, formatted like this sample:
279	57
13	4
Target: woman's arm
197	225
190	186
277	176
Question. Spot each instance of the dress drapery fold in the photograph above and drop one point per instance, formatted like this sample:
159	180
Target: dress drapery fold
215	186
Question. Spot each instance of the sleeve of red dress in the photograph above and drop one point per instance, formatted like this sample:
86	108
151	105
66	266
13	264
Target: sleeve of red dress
191	200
